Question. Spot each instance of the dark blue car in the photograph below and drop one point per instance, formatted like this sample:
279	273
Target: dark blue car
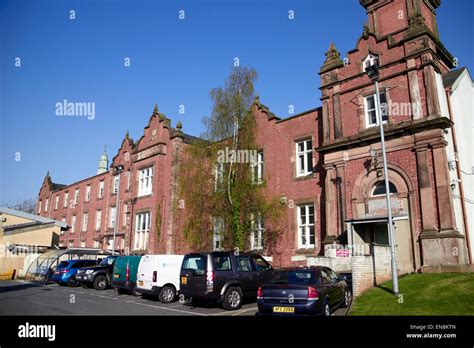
303	291
66	271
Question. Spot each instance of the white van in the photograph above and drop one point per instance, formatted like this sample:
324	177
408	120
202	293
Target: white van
159	275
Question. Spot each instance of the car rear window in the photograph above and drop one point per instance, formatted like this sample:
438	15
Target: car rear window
196	263
295	277
63	264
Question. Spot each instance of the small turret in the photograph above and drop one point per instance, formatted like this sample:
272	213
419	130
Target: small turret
103	163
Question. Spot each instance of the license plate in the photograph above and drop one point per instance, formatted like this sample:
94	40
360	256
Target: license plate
184	280
140	283
116	275
284	309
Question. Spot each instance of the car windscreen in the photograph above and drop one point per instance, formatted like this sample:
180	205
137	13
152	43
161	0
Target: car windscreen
196	263
294	277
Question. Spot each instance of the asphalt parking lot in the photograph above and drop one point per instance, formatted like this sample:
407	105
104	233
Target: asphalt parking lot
24	298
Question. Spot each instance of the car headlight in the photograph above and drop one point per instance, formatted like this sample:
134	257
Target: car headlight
89	271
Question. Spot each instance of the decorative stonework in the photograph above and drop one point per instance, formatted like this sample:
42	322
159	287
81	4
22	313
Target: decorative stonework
333	59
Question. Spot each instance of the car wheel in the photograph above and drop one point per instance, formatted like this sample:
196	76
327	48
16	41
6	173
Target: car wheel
232	299
327	310
100	282
167	294
347	298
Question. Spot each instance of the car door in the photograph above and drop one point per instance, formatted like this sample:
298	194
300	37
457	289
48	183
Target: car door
223	270
328	286
246	274
263	268
337	285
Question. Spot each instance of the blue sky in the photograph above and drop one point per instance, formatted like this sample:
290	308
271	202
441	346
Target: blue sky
173	62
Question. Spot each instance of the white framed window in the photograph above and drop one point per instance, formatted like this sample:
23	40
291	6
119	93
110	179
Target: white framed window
142	230
370	60
95	244
304	157
256	234
85	221
83	244
66	198
218	175
218	234
71	244
115	183
39	207
372	110
88	193
306	235
145	181
379	189
112	216
257	169
125	214
56	202
76	196
98	219
73	224
46	205
101	189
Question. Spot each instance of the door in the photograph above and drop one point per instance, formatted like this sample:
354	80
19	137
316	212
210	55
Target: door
337	286
326	283
263	268
246	274
193	273
146	268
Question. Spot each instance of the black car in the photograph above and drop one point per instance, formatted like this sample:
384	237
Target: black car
99	276
303	291
226	277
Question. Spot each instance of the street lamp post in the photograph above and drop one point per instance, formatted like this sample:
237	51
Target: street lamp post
117	171
373	73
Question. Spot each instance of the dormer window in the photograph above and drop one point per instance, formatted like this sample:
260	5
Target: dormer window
370	60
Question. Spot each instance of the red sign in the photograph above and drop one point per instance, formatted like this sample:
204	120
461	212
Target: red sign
342	252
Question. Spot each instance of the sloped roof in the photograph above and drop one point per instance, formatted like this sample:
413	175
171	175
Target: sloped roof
33	217
450	78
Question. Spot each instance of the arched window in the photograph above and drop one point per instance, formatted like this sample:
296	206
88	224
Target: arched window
370	60
379	188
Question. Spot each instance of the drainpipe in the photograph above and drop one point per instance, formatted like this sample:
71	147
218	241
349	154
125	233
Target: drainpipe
461	189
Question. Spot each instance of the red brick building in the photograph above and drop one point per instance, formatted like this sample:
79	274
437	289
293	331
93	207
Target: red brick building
317	162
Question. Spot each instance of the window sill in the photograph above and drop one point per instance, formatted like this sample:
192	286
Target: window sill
304	251
145	196
304	177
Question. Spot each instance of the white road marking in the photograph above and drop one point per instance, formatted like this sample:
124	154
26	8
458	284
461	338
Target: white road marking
113	298
168	309
238	312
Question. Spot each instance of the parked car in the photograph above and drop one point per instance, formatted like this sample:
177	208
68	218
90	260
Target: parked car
303	291
99	275
223	276
65	272
124	278
158	275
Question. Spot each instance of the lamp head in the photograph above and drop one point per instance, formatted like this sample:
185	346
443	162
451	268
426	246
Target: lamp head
372	72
